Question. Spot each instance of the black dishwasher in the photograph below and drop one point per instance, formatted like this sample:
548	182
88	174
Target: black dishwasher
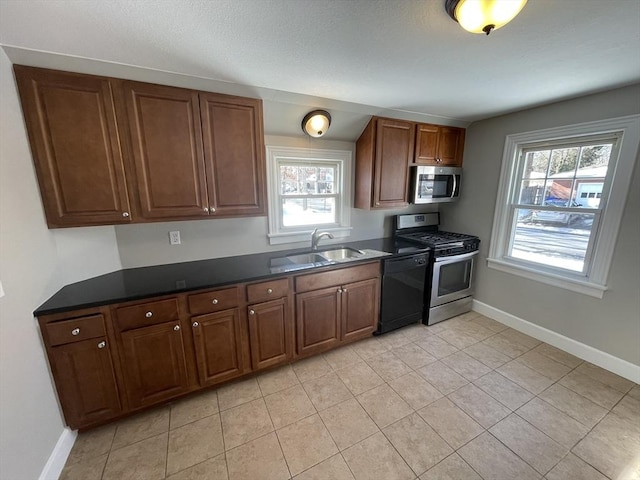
403	287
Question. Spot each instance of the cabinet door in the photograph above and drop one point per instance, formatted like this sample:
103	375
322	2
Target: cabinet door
394	153
270	333
360	308
218	346
86	382
426	144
71	123
234	153
154	363
318	320
450	146
166	142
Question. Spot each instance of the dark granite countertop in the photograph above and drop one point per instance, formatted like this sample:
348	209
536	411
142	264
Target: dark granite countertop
145	282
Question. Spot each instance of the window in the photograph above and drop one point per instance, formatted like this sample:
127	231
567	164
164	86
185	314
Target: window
308	188
560	201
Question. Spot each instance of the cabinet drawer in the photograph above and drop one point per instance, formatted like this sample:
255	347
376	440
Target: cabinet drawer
213	301
265	291
76	330
342	276
147	314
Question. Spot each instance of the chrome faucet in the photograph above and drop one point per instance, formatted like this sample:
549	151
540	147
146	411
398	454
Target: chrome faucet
315	238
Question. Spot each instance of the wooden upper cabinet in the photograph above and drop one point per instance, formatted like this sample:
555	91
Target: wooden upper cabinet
234	152
76	149
437	145
166	143
383	154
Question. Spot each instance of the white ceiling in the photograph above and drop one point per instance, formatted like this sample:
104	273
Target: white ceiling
405	56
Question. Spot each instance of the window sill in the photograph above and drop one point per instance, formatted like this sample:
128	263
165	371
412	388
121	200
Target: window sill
305	236
585	287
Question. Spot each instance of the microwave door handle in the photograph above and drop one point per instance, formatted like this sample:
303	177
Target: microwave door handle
455	185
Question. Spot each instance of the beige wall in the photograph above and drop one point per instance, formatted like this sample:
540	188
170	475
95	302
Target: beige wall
34	263
610	324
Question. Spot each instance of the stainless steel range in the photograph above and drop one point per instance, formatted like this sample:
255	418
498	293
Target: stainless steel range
452	266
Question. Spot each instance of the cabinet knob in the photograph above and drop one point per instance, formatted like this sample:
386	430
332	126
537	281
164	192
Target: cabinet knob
377	203
102	344
344	290
214	301
339	290
195	324
212	209
252	312
75	331
125	214
176	328
269	291
148	314
206	209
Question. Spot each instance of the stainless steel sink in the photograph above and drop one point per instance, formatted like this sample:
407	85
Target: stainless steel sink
325	256
304	258
339	254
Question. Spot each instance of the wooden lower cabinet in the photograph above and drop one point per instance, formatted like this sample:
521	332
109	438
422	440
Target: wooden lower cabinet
154	364
360	308
270	333
218	343
86	381
318	320
111	361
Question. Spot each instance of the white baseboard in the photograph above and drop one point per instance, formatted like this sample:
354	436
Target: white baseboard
58	457
605	360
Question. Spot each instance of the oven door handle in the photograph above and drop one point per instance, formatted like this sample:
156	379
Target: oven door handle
456	258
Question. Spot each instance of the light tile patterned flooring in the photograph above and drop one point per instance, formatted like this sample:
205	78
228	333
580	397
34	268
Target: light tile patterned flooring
464	399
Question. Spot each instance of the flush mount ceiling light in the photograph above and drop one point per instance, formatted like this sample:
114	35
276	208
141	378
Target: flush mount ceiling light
483	16
316	123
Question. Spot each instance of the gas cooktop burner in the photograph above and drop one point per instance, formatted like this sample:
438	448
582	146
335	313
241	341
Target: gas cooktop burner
437	238
422	229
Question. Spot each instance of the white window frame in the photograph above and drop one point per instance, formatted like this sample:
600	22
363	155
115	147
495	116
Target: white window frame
340	159
593	282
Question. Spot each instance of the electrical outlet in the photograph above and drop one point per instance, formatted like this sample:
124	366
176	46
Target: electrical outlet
174	238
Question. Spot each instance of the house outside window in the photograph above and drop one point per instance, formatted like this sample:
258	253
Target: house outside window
560	201
308	188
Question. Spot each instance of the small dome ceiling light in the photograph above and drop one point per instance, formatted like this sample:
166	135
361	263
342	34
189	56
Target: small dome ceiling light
316	123
483	16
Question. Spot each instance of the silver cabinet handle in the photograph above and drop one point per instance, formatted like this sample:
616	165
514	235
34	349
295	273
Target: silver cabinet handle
176	328
102	344
252	312
195	324
212	209
75	331
148	314
214	301
344	290
206	209
339	290
125	214
269	291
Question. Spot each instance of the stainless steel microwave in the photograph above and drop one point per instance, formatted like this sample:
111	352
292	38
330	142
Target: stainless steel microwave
436	184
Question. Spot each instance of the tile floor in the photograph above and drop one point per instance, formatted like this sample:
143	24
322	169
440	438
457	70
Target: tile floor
464	399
